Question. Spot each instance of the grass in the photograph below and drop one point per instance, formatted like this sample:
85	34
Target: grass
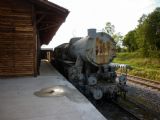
142	67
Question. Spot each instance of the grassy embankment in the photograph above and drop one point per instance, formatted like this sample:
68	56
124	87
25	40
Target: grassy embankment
143	67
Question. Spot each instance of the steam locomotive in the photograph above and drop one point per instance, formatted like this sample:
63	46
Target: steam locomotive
86	62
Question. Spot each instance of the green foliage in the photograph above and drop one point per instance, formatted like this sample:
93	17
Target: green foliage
143	67
118	38
109	29
146	37
143	46
130	41
152	36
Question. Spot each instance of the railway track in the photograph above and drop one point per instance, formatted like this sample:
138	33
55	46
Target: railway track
133	115
135	110
114	111
143	81
124	109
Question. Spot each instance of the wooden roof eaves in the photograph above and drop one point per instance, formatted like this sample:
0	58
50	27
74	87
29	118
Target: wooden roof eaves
51	5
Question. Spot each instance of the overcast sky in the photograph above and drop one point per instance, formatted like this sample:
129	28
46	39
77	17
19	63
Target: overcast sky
84	14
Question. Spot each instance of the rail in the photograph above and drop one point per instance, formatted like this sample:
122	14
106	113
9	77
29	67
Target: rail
136	110
143	81
133	115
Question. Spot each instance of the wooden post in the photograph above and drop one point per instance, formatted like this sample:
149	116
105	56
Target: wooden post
35	40
48	56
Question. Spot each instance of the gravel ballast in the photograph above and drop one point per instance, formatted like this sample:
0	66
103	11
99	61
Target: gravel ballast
148	97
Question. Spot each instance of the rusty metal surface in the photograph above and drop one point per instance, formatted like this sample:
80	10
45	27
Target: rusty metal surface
105	49
102	51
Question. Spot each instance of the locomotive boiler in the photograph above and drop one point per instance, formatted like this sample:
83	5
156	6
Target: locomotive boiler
85	61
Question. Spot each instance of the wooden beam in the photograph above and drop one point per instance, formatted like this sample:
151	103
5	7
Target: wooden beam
35	40
45	12
51	21
41	18
52	7
48	27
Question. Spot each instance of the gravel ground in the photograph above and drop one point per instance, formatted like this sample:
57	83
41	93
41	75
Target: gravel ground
146	96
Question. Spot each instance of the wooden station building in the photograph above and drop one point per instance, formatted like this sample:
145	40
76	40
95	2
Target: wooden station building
24	26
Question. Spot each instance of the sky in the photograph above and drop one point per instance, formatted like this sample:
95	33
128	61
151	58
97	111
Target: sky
86	14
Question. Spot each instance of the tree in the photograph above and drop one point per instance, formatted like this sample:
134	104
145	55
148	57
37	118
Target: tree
140	36
152	35
118	38
109	29
146	36
142	19
149	34
130	41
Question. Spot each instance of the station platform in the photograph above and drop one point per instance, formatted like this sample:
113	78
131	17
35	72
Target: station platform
46	97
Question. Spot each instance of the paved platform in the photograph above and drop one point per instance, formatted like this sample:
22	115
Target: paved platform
21	98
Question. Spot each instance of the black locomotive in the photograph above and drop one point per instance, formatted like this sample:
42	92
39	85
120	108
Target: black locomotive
86	63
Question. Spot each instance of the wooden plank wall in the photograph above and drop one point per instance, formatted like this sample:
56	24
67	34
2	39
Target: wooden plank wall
17	42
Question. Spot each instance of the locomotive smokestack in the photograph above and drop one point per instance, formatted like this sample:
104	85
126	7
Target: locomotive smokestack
92	33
